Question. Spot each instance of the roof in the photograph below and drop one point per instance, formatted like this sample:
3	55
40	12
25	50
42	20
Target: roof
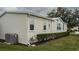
58	18
27	14
52	19
2	13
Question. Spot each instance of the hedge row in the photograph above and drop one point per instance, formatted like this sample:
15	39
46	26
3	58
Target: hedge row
1	40
50	36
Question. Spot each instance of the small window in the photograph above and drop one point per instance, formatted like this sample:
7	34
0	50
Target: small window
44	27
63	26
31	26
49	25
58	26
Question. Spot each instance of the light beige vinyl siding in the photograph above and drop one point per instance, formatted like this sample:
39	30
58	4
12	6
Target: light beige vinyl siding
14	23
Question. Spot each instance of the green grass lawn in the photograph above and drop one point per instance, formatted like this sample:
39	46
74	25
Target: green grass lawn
68	43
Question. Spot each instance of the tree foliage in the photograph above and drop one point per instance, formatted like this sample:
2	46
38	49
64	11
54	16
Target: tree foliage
68	16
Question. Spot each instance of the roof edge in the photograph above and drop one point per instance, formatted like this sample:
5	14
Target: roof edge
30	14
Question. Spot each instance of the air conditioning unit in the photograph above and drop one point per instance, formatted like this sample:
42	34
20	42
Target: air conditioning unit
11	38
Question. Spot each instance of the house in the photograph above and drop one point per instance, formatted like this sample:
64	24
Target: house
28	25
75	28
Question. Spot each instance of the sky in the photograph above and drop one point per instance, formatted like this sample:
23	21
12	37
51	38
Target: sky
35	10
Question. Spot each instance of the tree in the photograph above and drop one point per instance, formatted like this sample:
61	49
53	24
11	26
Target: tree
66	15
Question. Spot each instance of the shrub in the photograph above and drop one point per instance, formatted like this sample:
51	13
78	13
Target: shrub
1	40
50	36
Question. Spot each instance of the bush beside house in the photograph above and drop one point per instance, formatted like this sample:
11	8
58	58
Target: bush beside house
50	36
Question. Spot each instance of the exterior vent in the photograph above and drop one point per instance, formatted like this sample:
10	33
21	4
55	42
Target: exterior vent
11	38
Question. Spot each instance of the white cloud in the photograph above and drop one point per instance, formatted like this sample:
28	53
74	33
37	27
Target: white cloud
35	10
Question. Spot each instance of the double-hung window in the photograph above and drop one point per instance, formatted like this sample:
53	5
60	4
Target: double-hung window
58	26
31	23
44	27
31	26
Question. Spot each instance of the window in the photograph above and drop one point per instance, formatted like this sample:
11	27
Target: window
49	25
44	27
31	23
58	26
63	26
31	26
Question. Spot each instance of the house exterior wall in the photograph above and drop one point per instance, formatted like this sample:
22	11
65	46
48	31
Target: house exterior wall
62	25
75	28
20	24
65	27
14	23
38	26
